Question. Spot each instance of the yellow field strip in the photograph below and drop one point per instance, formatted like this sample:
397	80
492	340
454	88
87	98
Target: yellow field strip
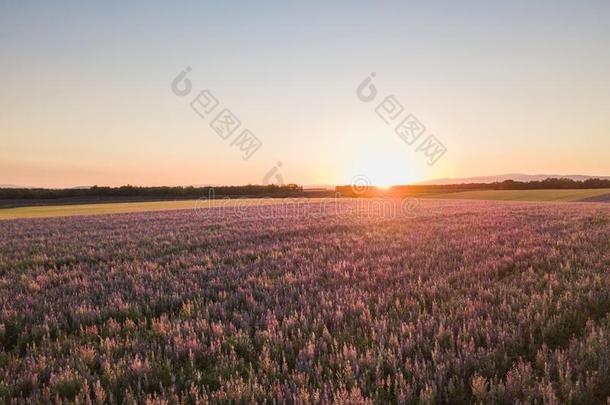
525	195
124	207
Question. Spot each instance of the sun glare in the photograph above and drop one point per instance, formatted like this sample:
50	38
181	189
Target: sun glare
390	170
383	185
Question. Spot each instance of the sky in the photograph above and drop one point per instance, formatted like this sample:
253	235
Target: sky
503	87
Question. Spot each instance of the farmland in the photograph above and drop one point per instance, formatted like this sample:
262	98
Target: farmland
345	302
47	211
65	210
567	195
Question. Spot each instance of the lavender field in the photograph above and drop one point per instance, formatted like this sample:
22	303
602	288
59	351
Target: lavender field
464	302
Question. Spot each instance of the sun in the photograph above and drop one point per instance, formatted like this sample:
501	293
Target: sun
384	185
385	171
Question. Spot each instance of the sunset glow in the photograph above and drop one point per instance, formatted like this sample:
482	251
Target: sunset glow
499	85
323	202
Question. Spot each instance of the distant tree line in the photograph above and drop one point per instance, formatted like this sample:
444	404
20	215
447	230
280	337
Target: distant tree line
552	183
281	191
151	192
546	184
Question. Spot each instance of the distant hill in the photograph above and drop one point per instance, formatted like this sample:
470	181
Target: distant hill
511	176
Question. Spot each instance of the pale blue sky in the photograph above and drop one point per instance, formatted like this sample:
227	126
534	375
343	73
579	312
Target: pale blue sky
507	87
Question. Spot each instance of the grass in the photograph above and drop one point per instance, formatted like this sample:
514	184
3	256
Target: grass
525	195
